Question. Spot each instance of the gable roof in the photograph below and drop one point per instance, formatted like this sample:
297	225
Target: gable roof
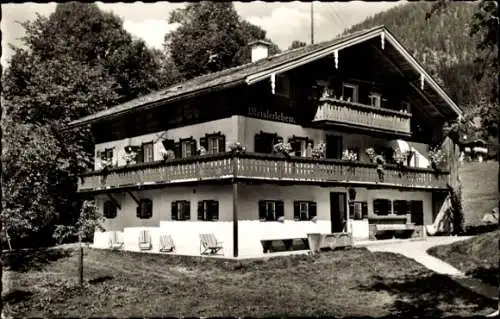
252	72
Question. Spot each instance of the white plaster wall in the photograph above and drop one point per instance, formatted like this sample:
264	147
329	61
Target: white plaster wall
228	126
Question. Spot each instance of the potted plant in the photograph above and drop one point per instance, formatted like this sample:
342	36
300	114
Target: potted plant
319	151
167	154
400	158
236	148
436	157
379	160
130	154
350	156
201	151
283	148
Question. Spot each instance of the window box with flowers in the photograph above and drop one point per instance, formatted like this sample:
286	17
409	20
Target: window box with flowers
236	148
379	160
283	148
131	154
401	160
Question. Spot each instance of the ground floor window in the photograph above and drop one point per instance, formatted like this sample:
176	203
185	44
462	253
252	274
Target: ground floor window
304	210
358	210
401	207
208	210
382	207
181	210
109	210
145	209
271	210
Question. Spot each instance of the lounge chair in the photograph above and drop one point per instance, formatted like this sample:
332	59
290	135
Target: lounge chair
166	243
114	241
209	244
145	240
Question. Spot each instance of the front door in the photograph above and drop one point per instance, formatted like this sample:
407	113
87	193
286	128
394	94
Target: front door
333	146
338	211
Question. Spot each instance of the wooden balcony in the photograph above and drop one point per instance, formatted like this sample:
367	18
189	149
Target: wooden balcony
348	114
263	167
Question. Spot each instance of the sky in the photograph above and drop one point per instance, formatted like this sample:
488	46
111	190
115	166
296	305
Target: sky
284	22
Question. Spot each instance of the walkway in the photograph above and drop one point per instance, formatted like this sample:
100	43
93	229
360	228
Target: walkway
417	250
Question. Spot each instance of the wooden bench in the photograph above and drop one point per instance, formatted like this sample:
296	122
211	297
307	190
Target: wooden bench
166	243
114	241
145	240
209	244
387	231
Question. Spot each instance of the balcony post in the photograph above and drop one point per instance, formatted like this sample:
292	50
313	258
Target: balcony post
235	204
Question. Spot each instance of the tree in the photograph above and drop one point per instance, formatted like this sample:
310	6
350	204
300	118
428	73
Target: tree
76	62
296	44
211	37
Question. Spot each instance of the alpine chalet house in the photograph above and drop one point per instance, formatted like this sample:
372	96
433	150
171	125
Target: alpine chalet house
329	138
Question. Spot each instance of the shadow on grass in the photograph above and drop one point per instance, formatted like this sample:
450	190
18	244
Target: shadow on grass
32	259
479	229
427	296
16	296
101	279
486	275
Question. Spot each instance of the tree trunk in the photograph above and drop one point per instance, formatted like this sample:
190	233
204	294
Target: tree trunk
452	152
80	261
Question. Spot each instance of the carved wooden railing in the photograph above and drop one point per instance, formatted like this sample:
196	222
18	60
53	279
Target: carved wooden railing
338	111
259	166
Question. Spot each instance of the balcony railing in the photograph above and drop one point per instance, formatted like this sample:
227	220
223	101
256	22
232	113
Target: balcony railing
360	115
259	167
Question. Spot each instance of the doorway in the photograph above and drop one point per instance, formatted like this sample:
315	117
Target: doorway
333	146
338	211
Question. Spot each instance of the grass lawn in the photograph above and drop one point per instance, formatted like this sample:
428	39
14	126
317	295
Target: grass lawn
352	282
477	256
479	190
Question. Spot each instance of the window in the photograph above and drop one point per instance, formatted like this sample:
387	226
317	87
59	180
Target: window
401	207
181	210
271	210
375	99
214	143
147	152
108	153
299	145
382	207
109	209
145	209
208	210
185	148
304	210
358	210
264	142
282	85
350	92
417	212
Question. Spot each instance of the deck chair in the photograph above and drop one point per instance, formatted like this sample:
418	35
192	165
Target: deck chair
114	241
166	243
145	240
209	244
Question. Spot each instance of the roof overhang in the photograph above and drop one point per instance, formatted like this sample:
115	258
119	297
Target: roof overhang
378	32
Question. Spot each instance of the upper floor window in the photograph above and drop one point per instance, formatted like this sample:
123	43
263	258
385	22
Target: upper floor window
282	85
350	92
214	143
382	207
147	152
271	210
208	210
375	99
181	210
106	155
304	210
264	142
185	148
145	209
109	209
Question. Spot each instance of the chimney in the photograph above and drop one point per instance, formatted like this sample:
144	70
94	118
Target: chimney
259	49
